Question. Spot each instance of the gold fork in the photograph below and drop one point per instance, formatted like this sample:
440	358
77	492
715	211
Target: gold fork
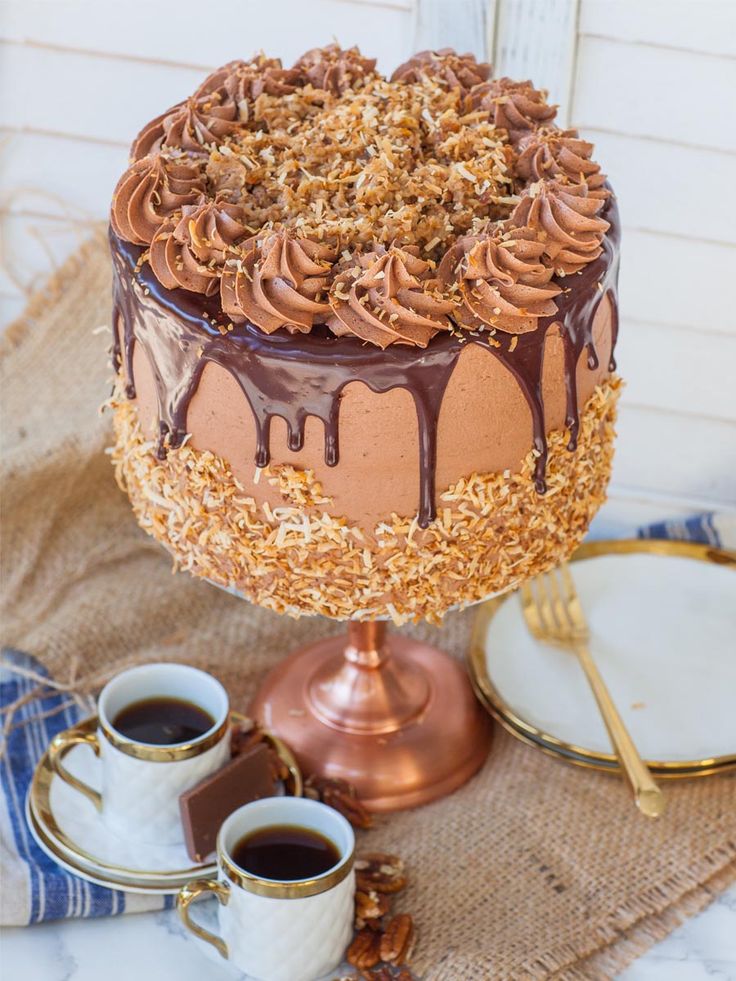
554	615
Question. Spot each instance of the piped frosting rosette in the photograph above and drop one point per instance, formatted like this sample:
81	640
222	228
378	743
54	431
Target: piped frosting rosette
224	203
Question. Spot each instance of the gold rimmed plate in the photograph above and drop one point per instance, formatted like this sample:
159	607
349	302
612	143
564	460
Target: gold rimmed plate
70	830
663	621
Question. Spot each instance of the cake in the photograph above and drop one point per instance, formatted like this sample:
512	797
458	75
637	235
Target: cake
363	333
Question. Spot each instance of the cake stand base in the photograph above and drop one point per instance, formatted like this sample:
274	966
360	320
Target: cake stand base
395	717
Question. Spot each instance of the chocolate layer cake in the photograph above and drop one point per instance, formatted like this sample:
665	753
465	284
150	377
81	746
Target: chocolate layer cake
364	332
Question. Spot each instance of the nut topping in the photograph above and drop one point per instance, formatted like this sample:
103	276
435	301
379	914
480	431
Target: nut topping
365	950
370	906
381	872
340	795
397	941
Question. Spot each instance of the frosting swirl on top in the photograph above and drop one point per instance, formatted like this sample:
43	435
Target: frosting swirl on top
503	282
246	80
253	185
279	282
190	253
150	190
565	219
456	71
191	125
516	107
335	69
560	153
389	298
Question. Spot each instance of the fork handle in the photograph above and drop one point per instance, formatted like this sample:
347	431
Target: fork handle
648	796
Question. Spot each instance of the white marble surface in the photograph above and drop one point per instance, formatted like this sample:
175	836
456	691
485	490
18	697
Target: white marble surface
153	947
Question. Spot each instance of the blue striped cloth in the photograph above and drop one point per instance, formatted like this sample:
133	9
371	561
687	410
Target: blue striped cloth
33	887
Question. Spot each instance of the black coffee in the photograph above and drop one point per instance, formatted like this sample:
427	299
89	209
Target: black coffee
285	852
163	721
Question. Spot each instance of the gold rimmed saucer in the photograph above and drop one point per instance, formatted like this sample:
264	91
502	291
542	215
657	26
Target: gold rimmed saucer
70	830
662	615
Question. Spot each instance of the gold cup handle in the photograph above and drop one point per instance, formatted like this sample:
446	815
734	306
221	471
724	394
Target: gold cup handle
60	746
191	891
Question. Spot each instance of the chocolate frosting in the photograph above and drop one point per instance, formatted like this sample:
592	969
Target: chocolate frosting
389	298
503	281
335	69
244	81
565	218
297	375
488	182
552	153
190	253
191	125
446	66
516	107
151	190
279	282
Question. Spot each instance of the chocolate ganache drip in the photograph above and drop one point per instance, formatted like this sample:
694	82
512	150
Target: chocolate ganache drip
302	374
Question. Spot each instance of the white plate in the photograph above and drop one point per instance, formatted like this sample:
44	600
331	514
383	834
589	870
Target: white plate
663	634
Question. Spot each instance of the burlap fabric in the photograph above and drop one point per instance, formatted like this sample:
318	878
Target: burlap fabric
533	870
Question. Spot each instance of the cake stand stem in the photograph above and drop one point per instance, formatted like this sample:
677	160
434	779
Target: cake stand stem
395	717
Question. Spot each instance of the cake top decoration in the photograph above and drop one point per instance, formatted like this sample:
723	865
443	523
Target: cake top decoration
392	210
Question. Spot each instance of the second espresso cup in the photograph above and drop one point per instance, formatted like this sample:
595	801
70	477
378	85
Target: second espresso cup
142	781
285	928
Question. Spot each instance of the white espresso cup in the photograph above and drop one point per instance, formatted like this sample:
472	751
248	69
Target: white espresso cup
279	930
141	782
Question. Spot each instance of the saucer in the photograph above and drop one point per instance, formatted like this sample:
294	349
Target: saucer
662	619
70	830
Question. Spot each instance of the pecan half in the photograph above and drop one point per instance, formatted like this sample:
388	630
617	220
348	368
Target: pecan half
365	950
369	906
340	795
380	872
398	939
247	734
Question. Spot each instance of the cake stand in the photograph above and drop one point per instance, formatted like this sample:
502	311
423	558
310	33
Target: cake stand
395	717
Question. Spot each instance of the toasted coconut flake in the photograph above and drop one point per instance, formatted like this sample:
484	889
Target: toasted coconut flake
492	530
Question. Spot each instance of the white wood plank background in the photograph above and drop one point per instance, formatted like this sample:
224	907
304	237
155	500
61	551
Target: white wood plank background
651	82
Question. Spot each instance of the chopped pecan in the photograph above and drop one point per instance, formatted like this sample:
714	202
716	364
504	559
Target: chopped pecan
247	734
340	795
370	906
243	736
398	939
381	872
365	950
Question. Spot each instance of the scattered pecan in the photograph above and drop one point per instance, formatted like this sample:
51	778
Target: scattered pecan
365	950
380	872
243	736
398	939
247	734
370	906
340	795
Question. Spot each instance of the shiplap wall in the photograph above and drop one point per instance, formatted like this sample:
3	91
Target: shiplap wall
652	82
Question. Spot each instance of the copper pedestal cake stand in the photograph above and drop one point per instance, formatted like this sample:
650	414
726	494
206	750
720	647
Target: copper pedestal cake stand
395	717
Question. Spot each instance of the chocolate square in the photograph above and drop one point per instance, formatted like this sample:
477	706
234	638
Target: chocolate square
205	806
